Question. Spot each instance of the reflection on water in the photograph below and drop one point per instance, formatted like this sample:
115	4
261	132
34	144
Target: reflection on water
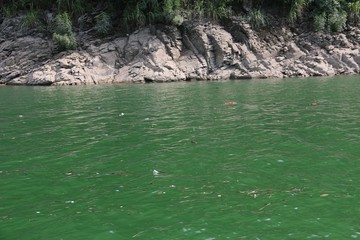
173	161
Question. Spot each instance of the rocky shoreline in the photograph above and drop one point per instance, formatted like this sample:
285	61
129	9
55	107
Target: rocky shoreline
193	51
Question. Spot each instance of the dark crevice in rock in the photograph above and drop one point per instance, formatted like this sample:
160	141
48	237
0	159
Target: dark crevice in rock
148	80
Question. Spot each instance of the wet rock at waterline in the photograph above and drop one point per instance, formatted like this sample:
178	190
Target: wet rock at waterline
203	51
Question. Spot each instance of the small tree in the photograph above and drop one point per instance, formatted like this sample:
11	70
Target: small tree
63	34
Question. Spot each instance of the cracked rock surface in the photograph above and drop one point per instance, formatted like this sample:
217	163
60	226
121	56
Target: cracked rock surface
196	51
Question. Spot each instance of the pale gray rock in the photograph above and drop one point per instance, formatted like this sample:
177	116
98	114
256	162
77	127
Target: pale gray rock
199	51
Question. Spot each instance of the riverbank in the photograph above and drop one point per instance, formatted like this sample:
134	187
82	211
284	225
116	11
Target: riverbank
192	51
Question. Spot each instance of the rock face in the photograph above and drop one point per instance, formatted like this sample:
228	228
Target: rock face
202	51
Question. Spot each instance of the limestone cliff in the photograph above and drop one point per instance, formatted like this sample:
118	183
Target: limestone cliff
194	51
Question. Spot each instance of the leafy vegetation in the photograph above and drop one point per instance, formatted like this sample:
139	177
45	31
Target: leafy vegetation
319	22
63	34
324	15
331	14
73	7
172	13
257	18
297	9
354	11
103	24
31	19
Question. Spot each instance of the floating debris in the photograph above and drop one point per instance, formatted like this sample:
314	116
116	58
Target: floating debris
264	220
201	230
324	195
70	202
138	234
265	206
230	103
156	172
268	192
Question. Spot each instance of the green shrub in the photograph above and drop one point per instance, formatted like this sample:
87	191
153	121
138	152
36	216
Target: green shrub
62	24
134	17
217	9
103	24
74	7
212	10
296	9
31	19
337	21
198	9
177	20
65	42
171	6
319	22
63	34
354	11
156	12
257	18
171	12
7	11
329	15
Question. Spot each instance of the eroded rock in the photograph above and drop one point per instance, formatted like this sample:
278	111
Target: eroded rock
200	51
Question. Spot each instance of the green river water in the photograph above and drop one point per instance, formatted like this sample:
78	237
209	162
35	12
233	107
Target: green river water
78	162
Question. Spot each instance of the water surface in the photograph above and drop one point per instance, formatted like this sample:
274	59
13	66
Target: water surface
77	162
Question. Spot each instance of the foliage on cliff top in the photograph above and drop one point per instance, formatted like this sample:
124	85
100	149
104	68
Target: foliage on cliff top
327	15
